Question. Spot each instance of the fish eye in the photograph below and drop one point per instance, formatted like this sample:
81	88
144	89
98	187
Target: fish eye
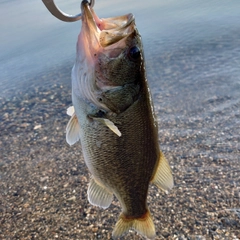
134	53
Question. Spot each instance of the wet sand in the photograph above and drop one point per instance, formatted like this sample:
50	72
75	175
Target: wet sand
44	181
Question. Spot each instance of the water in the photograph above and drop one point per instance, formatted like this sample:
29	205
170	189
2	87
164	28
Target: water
192	51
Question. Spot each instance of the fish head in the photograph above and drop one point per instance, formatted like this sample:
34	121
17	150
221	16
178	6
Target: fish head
109	53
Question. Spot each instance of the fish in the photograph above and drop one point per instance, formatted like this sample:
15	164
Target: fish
113	118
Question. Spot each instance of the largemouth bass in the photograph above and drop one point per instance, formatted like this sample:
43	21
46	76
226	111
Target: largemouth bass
113	117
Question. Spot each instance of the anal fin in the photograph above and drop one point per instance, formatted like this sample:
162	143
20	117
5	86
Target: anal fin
163	175
143	225
98	195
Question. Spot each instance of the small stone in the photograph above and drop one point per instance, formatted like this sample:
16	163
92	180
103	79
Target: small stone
165	234
26	205
37	127
95	229
5	115
42	179
73	198
24	125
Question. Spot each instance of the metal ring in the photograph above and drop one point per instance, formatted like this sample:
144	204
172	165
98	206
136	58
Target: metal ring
55	11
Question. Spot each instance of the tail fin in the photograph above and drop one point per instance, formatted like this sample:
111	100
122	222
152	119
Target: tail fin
143	225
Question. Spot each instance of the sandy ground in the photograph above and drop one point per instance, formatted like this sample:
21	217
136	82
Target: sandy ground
44	181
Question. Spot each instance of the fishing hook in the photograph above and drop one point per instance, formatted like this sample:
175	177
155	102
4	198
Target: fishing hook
55	11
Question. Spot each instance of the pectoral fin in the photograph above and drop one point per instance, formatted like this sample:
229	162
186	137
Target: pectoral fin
163	176
72	130
98	195
70	111
109	124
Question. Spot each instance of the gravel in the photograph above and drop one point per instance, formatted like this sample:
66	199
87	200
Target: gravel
44	181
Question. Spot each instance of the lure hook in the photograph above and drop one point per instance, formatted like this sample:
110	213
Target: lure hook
55	11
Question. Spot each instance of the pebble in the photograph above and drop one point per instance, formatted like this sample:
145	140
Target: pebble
37	127
73	198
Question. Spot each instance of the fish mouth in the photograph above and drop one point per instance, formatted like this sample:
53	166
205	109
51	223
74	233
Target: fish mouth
108	33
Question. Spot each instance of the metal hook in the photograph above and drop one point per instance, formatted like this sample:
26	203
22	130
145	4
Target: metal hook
55	11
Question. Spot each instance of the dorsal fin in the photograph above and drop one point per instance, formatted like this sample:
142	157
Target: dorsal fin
73	128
